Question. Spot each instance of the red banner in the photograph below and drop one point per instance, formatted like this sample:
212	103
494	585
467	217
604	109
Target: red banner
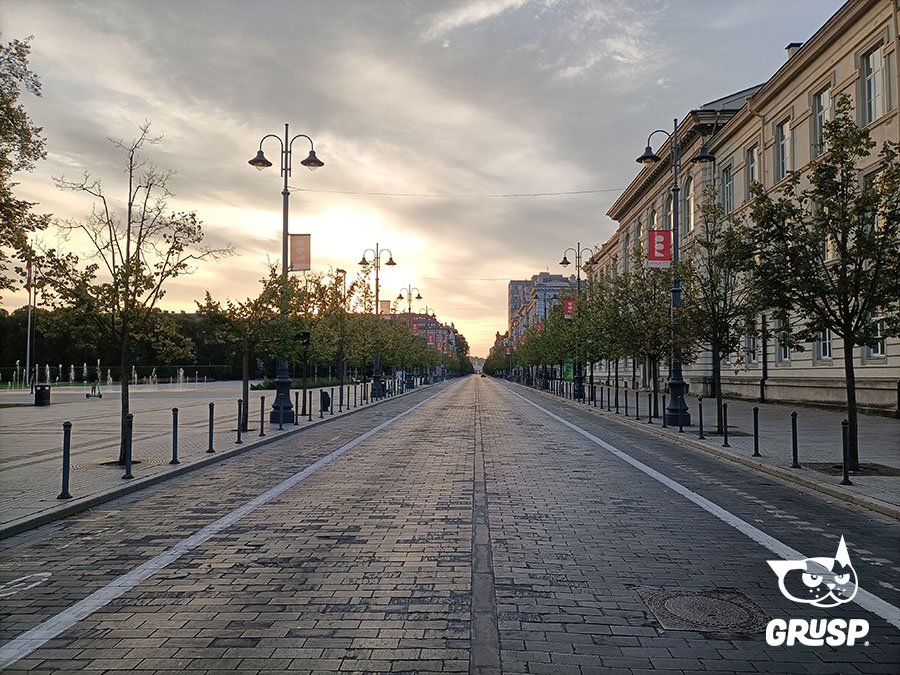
509	350
299	252
659	249
569	308
431	338
539	327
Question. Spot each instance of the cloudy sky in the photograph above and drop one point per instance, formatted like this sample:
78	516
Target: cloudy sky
435	121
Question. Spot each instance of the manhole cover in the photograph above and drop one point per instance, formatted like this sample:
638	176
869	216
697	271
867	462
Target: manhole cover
708	610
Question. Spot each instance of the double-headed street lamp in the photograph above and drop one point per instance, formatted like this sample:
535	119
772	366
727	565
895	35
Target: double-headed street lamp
281	406
377	385
676	410
409	298
579	252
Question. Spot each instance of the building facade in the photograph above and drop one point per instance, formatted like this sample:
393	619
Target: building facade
761	134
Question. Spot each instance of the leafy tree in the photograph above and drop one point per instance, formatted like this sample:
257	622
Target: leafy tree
829	251
721	306
21	145
134	254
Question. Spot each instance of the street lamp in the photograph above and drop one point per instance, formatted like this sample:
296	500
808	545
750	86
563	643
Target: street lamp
377	385
676	412
343	356
410	378
281	406
579	252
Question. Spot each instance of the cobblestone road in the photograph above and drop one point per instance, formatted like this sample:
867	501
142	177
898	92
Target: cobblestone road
367	560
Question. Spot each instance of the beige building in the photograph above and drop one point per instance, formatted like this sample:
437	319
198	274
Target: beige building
761	134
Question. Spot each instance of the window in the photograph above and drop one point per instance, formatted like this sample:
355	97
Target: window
752	168
727	190
641	233
877	350
667	212
823	344
688	205
782	150
821	105
626	251
750	349
782	350
653	221
872	86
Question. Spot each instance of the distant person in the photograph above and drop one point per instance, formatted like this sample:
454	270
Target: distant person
94	386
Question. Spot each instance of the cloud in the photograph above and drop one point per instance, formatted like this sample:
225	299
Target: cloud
471	13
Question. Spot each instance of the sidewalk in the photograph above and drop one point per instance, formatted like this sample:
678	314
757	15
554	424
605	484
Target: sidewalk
819	445
31	442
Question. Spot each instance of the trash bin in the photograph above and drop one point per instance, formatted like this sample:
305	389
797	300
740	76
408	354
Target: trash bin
42	394
324	401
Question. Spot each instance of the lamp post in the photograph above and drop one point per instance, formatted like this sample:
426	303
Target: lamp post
676	412
343	356
410	378
281	406
579	252
377	384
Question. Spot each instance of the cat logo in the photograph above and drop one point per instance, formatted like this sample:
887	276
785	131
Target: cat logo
820	582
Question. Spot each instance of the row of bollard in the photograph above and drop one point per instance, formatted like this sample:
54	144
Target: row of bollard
562	389
360	397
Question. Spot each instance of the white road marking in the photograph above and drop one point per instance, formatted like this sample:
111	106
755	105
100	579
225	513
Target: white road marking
19	585
864	599
31	640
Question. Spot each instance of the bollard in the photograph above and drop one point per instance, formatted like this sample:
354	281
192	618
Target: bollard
649	408
309	408
174	437
845	438
681	414
129	427
700	416
212	407
296	409
355	388
331	402
281	412
665	399
67	452
340	400
616	393
725	443
601	397
240	421
756	432
625	396
262	416
594	394
303	391
795	463
321	414
637	404
608	399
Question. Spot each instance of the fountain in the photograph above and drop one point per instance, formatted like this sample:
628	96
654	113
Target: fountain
84	374
71	374
47	373
134	377
108	377
17	372
181	377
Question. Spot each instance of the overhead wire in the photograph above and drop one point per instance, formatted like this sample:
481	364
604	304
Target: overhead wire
456	195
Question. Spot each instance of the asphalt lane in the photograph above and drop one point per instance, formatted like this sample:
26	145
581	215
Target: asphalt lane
368	563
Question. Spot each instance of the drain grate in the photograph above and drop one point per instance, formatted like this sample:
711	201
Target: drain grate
720	610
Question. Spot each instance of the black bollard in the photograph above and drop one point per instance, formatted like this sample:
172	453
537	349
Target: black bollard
625	396
594	394
129	427
331	402
212	407
700	416
795	459
309	408
649	408
67	453
665	398
608	399
240	421
845	438
725	443
616	395
637	406
174	437
296	409
262	416
340	399
281	412
756	432
681	414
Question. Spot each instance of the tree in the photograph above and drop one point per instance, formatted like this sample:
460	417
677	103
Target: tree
21	146
721	306
134	254
830	251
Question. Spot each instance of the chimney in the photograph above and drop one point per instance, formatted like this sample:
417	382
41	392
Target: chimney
793	48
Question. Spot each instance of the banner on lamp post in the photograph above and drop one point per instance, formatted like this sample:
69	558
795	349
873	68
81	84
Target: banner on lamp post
509	350
431	338
659	249
569	308
299	252
384	307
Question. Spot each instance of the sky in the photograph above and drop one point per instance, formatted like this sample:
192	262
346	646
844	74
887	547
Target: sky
443	125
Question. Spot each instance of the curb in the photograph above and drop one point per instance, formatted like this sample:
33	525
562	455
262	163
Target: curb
80	504
866	502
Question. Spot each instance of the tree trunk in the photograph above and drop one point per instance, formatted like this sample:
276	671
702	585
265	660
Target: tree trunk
852	415
717	386
245	382
125	364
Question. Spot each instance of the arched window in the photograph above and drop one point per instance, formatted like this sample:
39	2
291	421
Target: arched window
667	212
689	205
641	235
653	220
626	251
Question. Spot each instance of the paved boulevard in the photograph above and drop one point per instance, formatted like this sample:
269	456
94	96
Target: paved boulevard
475	533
